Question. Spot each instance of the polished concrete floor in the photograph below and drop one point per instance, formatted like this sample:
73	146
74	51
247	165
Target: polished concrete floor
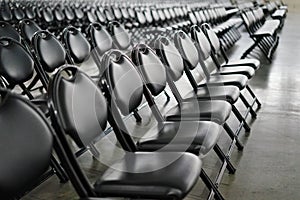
269	166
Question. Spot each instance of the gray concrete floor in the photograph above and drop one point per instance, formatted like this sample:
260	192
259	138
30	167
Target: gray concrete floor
269	166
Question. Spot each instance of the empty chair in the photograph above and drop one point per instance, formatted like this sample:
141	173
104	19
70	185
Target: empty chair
26	141
216	48
155	76
80	51
7	30
100	39
17	66
27	29
137	174
121	38
126	88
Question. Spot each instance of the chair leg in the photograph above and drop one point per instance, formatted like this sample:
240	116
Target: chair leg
137	116
210	185
224	159
248	106
59	171
233	136
94	151
241	118
253	96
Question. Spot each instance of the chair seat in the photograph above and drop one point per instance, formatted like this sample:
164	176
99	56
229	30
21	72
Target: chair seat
243	62
244	70
226	93
216	111
194	137
239	81
161	175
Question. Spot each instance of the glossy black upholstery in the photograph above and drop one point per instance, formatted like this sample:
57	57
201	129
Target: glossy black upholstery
172	59
216	47
121	38
204	46
136	173
190	54
49	51
28	28
76	44
145	58
22	125
100	38
195	137
16	65
7	30
81	122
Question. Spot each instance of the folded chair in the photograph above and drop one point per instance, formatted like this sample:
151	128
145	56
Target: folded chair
124	91
25	145
74	97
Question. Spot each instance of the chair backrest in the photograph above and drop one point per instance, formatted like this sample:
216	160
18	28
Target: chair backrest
151	67
28	28
25	145
212	38
124	81
170	56
201	42
76	44
6	30
49	51
100	38
5	13
19	13
80	104
16	64
187	49
121	38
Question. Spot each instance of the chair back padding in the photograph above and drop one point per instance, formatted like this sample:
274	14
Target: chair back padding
25	145
80	105
120	36
212	37
151	67
124	81
28	28
7	30
170	56
77	44
187	49
49	51
201	42
16	65
100	38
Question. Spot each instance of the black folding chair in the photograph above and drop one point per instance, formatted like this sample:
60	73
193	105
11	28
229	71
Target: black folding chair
26	146
78	108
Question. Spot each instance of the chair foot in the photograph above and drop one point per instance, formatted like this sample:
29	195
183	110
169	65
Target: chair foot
231	169
233	136
211	186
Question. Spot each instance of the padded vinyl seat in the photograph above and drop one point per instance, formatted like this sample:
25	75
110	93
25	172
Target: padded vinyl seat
216	80
228	93
243	62
193	137
152	175
244	70
217	111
